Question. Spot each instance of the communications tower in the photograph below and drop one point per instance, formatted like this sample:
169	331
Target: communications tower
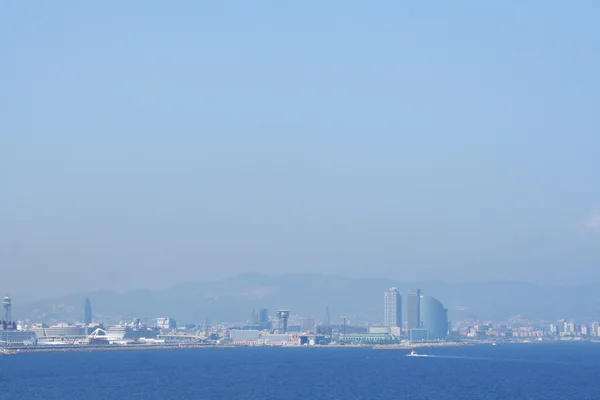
7	310
282	320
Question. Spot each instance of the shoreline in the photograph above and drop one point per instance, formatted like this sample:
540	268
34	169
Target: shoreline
139	347
135	347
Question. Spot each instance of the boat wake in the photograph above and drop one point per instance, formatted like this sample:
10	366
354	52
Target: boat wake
415	354
459	357
493	359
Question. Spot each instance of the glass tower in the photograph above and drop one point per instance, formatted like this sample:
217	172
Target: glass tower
413	305
434	318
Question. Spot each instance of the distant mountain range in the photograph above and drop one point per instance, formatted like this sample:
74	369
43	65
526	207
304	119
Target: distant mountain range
232	299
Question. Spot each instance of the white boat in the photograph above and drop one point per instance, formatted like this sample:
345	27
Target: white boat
412	353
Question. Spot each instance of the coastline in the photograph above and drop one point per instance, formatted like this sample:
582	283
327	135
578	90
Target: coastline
4	351
135	347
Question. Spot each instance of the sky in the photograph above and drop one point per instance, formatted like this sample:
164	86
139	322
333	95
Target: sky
147	143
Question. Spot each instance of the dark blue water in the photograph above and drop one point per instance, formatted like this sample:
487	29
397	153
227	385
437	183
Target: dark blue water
515	371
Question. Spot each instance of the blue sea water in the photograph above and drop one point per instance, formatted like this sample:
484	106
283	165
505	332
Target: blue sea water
507	371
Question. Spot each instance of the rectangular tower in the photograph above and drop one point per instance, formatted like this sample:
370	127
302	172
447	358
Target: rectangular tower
413	309
263	318
392	308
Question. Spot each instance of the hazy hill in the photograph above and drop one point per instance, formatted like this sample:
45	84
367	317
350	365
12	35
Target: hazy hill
308	294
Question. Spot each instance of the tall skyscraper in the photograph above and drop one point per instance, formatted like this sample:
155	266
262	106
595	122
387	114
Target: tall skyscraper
87	312
392	308
263	318
327	319
259	318
205	327
413	309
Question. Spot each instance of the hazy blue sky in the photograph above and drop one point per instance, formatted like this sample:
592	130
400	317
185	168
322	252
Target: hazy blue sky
145	143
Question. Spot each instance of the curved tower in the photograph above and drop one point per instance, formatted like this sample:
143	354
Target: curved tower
434	318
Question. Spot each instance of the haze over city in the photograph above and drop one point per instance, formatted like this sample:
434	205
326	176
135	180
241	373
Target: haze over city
145	144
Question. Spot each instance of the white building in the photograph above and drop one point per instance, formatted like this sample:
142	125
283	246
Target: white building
595	331
244	336
380	329
569	328
392	308
278	339
166	323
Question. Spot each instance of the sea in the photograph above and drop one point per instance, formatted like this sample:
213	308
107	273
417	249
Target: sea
506	371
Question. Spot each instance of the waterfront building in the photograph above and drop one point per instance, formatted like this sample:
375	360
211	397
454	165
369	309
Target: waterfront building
129	332
417	335
392	308
62	331
244	336
277	339
381	330
365	338
39	330
10	338
434	318
413	309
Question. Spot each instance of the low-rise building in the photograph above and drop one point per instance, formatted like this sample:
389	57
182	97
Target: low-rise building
365	338
241	337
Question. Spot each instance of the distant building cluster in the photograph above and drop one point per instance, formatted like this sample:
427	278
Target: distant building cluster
525	330
423	320
426	320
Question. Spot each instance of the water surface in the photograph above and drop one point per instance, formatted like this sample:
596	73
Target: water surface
511	371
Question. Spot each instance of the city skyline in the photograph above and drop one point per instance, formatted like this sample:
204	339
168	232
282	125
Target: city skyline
426	325
285	328
194	302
